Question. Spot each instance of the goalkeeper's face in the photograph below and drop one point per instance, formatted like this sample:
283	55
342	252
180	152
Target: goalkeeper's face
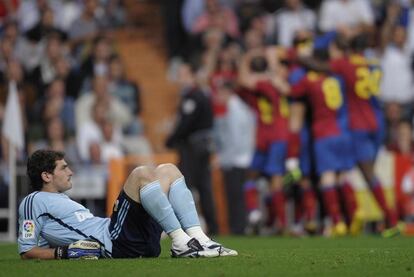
61	177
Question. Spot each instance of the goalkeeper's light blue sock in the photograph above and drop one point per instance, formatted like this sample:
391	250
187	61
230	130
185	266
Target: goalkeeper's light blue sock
156	203
182	202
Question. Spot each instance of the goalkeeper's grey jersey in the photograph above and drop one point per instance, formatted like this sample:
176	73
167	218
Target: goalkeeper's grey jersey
52	219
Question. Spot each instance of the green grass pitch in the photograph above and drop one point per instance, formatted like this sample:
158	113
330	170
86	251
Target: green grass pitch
258	256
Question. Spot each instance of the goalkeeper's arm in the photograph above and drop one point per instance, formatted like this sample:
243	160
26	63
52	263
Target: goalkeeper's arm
81	249
39	253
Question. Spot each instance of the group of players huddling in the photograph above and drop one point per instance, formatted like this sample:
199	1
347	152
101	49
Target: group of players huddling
333	79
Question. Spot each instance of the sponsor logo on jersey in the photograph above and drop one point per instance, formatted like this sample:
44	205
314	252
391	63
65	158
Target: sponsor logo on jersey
81	216
28	231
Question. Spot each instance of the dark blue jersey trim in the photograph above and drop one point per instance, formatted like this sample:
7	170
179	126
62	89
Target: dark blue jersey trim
31	216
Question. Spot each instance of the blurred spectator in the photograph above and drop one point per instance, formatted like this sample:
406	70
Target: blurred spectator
90	130
345	16
235	131
28	13
190	11
117	111
115	12
192	138
392	116
6	54
56	138
216	16
213	41
402	142
95	156
70	76
56	103
44	27
397	80
14	72
12	36
45	72
28	52
127	92
103	150
250	12
225	71
66	11
293	18
97	62
8	9
85	28
253	39
110	147
175	36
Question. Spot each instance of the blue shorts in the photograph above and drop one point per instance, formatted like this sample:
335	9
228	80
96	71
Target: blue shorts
305	155
134	232
333	153
271	162
365	145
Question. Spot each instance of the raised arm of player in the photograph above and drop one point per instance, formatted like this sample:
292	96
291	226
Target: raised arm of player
314	64
281	84
247	78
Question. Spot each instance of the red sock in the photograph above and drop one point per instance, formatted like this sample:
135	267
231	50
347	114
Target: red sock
330	198
278	203
390	215
348	195
293	145
309	204
251	196
271	213
299	209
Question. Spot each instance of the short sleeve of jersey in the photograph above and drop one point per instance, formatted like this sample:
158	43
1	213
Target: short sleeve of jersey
31	223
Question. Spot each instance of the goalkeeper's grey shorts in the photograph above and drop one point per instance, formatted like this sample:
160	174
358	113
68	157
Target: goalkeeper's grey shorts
134	232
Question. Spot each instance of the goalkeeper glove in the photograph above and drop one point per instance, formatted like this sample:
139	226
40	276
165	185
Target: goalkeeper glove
81	249
293	171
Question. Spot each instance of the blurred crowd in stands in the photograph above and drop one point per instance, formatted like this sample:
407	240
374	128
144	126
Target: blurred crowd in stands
76	97
72	85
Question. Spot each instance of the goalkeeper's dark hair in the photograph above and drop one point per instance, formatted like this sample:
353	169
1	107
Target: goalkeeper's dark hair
42	161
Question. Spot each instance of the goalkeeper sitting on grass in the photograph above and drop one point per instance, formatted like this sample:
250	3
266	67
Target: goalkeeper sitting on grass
52	226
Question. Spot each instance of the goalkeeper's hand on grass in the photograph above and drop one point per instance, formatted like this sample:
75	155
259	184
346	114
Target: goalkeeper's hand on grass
81	249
